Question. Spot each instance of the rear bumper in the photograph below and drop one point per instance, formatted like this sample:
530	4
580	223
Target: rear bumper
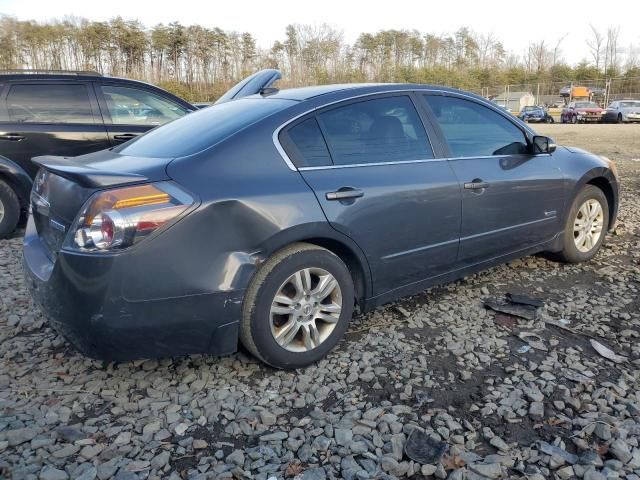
85	299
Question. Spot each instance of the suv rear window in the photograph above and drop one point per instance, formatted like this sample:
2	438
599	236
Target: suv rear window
49	103
201	129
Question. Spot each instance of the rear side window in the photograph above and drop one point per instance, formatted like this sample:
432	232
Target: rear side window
46	103
473	130
305	144
380	130
134	106
201	129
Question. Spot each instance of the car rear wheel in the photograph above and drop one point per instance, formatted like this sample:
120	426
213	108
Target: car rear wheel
619	118
297	307
586	225
9	210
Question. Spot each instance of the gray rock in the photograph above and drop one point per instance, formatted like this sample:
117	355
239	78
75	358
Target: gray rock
317	473
236	457
393	467
70	434
343	436
50	473
20	435
274	437
491	470
160	460
620	450
89	474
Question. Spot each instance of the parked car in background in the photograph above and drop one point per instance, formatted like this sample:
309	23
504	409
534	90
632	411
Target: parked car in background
623	111
68	114
581	112
535	114
269	218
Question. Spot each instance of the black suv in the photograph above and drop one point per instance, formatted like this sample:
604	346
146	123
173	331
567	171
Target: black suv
68	114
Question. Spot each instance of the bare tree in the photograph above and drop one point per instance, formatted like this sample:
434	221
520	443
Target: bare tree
557	51
611	50
595	44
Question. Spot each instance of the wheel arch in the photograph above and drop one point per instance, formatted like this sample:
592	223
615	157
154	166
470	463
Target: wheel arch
17	178
323	235
603	179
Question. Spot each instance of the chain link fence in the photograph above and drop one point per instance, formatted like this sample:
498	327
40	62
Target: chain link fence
556	94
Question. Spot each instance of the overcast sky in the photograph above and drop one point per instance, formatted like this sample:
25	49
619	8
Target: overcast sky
266	19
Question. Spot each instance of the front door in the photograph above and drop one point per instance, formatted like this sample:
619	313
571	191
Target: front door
511	197
377	182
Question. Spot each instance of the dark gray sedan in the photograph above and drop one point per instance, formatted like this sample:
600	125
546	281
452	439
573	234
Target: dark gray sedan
623	111
269	218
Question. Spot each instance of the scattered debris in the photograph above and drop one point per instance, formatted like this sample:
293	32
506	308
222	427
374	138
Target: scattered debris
607	352
516	305
534	341
422	398
524	300
507	321
524	349
423	448
552	450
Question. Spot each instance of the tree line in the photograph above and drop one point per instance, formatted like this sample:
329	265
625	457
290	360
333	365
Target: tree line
200	63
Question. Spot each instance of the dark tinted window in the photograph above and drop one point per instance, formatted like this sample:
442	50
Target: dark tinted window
49	104
306	146
471	129
201	129
134	106
381	130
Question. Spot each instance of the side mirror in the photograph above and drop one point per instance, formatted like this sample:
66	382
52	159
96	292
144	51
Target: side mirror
542	144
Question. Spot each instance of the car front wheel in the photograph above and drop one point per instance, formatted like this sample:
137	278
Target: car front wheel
9	210
297	307
586	225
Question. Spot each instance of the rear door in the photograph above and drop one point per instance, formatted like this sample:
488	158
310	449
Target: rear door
372	168
130	111
49	118
511	197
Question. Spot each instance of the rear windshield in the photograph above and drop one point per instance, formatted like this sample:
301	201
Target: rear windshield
201	129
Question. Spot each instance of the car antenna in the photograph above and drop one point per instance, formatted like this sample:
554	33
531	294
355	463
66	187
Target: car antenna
268	91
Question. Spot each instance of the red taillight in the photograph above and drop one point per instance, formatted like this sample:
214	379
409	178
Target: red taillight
119	218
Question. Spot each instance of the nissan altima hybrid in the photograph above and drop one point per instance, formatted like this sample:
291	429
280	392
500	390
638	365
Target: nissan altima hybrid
268	218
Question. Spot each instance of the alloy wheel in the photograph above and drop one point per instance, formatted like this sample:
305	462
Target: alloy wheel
1	211
588	225
305	309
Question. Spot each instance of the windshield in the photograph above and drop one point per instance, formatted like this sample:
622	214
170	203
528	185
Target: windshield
629	104
586	105
201	129
531	109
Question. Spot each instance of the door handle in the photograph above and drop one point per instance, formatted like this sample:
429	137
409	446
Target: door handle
477	184
12	137
345	193
125	136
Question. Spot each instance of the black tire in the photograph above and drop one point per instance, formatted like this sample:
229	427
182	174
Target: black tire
570	252
255	326
563	119
11	207
550	120
574	119
619	118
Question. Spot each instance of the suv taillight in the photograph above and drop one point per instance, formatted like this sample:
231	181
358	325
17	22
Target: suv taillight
119	218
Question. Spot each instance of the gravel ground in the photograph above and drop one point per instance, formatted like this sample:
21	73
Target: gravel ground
438	367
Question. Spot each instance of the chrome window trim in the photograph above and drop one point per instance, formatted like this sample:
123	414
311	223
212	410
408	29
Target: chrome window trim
407	90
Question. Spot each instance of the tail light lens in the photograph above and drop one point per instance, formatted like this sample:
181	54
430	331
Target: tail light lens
119	218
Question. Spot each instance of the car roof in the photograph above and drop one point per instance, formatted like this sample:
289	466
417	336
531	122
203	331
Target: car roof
353	89
71	76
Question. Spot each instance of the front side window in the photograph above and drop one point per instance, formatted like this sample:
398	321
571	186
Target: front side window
372	131
133	106
473	130
49	103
